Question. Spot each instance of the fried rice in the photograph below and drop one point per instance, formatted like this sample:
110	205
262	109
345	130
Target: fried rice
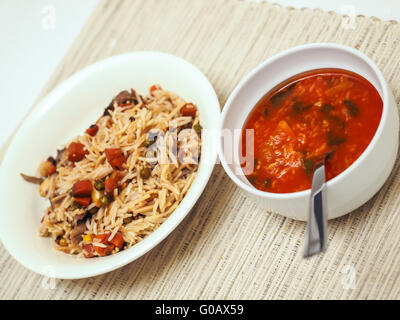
118	182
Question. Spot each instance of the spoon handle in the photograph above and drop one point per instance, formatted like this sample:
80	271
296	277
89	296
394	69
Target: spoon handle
316	233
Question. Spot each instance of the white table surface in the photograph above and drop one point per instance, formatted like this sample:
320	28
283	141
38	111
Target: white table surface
36	35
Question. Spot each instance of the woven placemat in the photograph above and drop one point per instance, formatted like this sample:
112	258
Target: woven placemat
227	247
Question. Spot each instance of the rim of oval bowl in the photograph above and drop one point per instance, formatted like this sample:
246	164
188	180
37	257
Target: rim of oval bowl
139	249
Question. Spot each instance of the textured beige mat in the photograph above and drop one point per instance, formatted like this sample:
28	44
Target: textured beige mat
227	247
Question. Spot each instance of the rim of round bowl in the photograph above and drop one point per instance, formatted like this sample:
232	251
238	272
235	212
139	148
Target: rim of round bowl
259	68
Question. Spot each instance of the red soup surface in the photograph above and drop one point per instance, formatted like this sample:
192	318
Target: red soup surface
324	112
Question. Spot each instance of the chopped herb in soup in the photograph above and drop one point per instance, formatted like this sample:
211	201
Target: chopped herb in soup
324	113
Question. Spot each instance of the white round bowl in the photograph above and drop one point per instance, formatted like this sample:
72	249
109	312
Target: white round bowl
356	184
66	112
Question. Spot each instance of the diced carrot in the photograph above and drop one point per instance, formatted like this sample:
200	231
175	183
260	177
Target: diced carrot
118	240
189	110
117	175
110	184
117	163
92	130
101	238
88	250
84	202
154	88
82	188
51	170
115	158
76	152
113	152
104	251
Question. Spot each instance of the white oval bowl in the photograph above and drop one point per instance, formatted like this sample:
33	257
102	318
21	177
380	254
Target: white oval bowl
356	184
65	113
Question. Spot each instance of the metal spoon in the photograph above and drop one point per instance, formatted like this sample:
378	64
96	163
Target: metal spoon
316	233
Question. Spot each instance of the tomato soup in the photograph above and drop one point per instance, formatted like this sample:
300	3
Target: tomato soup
329	114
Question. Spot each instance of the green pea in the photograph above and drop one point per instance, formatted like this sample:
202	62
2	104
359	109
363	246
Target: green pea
99	185
145	173
197	127
128	220
105	200
94	210
75	206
